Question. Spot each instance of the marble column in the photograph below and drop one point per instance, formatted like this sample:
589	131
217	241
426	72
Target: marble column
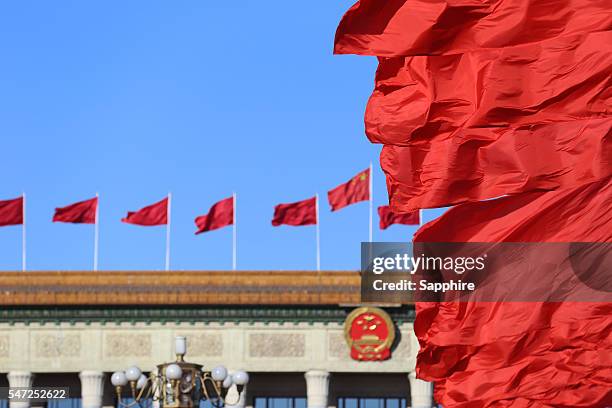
92	388
317	388
21	379
421	392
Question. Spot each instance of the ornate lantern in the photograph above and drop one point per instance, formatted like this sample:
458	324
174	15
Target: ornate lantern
179	384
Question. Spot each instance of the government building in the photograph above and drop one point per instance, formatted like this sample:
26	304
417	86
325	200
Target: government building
303	337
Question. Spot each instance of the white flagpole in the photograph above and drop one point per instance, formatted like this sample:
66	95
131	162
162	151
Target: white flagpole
168	232
96	233
234	233
23	234
371	185
318	233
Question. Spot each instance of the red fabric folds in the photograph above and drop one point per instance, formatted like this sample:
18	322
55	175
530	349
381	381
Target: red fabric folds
520	354
485	163
83	212
387	217
220	215
154	214
477	116
353	191
423	27
11	212
299	213
418	98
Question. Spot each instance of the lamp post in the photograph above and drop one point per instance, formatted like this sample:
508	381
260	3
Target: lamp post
179	384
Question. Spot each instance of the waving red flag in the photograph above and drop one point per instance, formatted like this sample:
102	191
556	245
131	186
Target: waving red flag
470	107
388	217
83	212
11	212
220	215
155	214
552	353
443	126
296	214
453	170
353	191
423	27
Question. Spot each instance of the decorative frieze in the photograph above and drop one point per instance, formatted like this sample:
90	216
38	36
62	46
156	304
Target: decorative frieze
204	344
127	345
277	345
337	347
4	346
57	344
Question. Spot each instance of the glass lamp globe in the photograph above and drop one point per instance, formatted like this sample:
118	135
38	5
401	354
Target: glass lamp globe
142	381
240	378
180	345
219	373
133	373
173	372
118	379
228	382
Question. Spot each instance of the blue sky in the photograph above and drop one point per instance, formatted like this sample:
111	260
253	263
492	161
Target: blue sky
200	98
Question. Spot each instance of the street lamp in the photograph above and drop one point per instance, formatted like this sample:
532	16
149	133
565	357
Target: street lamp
179	384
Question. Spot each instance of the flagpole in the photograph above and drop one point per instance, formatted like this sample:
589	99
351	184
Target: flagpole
234	233
96	233
318	233
371	185
23	234
168	232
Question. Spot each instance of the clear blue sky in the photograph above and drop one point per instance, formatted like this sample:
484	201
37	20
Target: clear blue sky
200	98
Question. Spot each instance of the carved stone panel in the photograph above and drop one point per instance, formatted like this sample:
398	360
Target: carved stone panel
127	345
204	345
277	345
337	347
52	345
4	346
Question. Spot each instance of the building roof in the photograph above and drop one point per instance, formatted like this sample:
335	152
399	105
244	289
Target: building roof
87	288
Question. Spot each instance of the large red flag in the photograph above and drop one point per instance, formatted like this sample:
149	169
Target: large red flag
353	191
83	212
417	98
424	27
520	354
299	213
388	217
490	163
11	212
154	214
450	101
443	125
220	215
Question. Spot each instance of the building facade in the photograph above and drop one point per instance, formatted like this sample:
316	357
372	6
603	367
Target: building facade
287	329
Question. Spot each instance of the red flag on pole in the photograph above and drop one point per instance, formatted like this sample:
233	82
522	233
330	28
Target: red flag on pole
423	27
388	217
296	214
449	100
11	212
83	212
353	191
220	215
551	352
154	214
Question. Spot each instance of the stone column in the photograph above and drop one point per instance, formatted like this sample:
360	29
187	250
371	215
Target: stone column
421	392
317	388
20	379
92	388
